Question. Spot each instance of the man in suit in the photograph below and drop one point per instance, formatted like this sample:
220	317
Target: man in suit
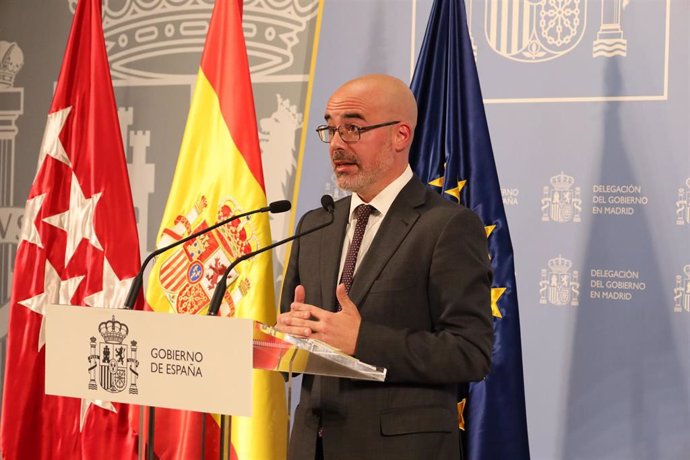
417	304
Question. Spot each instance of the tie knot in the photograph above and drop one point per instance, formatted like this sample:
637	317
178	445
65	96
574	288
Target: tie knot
363	211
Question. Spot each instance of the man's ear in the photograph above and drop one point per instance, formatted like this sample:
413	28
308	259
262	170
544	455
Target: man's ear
403	136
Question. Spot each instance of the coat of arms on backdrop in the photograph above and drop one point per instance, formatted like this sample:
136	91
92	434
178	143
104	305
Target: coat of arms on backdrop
559	286
540	30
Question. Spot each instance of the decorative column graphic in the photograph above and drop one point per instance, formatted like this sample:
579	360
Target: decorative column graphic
93	364
610	41
133	364
11	107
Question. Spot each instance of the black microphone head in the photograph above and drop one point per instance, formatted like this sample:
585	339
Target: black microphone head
328	203
279	206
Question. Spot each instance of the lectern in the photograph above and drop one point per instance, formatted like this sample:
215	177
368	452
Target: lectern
177	361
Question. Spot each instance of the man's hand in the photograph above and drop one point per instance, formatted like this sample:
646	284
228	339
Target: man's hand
340	330
289	322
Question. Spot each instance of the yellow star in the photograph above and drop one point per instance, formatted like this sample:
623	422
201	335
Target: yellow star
437	182
461	416
456	191
489	229
496	294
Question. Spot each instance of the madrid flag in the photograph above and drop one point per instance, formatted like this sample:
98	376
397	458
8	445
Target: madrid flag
78	246
218	175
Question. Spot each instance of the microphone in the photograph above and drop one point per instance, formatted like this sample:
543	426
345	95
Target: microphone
217	299
275	207
328	204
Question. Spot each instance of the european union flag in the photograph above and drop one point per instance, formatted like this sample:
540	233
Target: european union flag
452	152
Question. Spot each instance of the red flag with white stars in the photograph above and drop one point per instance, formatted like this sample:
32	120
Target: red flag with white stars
78	246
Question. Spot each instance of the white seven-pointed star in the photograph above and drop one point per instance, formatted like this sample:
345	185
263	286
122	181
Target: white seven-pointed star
29	230
51	144
114	292
86	404
77	221
55	290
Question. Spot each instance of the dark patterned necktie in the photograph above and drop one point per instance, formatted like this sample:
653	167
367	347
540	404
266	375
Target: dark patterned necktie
363	211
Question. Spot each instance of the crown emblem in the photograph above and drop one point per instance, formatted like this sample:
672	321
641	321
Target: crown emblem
560	265
271	28
139	32
562	182
113	331
11	60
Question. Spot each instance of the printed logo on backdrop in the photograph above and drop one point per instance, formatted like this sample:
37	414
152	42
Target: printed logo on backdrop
277	134
142	175
580	34
191	274
618	200
138	30
683	204
11	108
540	30
559	285
681	292
534	31
561	201
615	284
112	360
510	196
11	61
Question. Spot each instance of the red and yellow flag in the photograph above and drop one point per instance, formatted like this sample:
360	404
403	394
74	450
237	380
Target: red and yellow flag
78	246
218	175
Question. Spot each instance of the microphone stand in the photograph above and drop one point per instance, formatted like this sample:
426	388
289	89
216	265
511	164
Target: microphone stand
219	292
274	207
221	287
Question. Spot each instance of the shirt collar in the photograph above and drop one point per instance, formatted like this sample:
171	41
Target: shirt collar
383	201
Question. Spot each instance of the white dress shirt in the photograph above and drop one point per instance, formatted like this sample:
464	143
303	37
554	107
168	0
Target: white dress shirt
382	202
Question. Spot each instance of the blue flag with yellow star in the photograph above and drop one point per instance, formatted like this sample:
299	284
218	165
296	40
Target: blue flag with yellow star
452	152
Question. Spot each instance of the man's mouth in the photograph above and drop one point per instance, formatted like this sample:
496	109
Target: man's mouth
343	164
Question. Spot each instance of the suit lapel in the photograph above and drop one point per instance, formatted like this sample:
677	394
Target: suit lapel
332	239
399	220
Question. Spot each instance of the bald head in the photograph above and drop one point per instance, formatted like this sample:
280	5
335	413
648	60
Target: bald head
386	95
376	115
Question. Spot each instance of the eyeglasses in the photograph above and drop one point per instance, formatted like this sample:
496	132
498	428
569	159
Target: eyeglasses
348	132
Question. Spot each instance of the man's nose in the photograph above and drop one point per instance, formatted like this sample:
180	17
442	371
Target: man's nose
337	142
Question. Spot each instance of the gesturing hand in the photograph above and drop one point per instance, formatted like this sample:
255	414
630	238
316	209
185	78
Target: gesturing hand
340	329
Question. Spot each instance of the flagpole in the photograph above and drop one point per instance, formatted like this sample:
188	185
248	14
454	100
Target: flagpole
152	422
225	436
203	436
142	414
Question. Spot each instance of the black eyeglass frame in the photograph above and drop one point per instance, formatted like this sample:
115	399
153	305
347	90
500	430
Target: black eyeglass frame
331	130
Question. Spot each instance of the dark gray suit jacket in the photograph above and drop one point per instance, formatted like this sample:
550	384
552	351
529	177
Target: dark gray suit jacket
423	290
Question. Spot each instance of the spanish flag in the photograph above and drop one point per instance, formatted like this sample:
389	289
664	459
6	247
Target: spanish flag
219	174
